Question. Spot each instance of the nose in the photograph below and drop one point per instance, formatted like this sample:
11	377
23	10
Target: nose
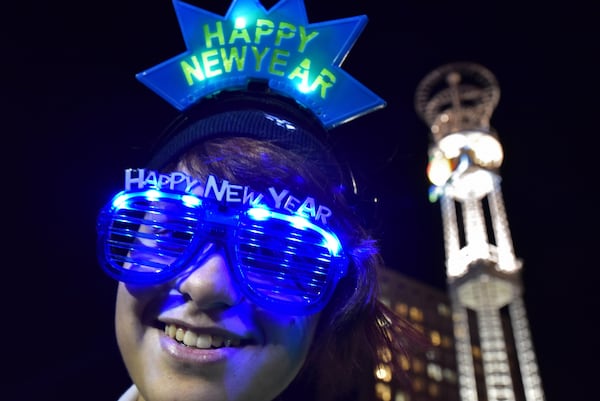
209	282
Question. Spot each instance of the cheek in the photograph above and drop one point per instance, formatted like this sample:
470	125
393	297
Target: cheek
130	307
126	318
295	334
266	373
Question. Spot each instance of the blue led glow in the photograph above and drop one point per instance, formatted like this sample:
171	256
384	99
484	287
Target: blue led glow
331	242
190	200
298	222
259	213
153	194
295	58
279	259
120	200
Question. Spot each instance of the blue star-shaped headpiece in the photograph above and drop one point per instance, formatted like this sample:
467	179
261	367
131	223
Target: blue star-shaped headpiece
296	59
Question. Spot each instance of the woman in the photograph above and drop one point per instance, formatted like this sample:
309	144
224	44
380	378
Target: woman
236	314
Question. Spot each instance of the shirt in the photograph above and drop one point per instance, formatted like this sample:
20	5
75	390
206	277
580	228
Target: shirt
131	394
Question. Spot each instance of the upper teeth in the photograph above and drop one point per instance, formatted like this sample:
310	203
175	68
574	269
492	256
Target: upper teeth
192	339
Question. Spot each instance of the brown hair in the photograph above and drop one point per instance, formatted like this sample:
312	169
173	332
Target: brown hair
355	327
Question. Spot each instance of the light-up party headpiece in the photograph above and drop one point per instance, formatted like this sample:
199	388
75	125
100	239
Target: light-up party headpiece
296	59
268	75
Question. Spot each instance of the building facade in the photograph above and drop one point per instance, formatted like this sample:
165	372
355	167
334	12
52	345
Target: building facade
430	374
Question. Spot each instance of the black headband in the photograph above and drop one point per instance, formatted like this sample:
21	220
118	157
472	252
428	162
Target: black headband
258	115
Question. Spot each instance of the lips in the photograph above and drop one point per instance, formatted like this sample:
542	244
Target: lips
200	340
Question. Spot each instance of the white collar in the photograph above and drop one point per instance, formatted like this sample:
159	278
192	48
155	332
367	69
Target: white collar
131	394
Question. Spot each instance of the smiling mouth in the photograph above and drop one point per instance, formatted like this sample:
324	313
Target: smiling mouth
201	341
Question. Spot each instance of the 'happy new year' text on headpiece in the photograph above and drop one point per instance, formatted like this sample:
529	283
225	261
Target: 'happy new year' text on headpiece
296	59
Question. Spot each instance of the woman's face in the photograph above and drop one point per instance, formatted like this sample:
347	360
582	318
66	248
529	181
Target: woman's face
198	338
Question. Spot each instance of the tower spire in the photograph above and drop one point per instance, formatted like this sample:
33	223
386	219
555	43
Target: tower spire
495	356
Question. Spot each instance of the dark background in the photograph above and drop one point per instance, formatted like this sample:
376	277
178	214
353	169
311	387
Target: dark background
74	116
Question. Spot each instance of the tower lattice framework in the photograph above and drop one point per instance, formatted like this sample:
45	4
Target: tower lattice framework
495	355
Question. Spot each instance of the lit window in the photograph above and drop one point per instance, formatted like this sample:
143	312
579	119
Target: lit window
383	391
434	371
383	373
385	355
404	362
401	309
435	337
401	396
416	314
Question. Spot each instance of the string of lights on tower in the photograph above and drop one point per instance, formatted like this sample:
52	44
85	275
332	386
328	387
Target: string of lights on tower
494	352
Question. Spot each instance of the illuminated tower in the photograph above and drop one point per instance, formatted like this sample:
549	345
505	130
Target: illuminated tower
495	355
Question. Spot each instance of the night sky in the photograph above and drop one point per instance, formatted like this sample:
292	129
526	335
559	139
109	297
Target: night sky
75	117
